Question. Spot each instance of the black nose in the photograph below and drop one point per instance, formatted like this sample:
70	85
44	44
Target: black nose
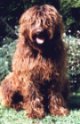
42	34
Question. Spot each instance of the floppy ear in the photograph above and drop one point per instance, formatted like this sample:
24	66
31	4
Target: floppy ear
23	26
59	29
61	25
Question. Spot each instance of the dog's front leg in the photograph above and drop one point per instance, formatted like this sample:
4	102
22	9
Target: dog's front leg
57	105
7	89
34	102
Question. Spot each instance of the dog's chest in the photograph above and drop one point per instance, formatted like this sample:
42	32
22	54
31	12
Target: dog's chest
41	69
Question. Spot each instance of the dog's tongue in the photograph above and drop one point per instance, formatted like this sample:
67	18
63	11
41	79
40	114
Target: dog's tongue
39	41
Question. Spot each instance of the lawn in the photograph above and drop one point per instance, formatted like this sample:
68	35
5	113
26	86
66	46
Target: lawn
10	116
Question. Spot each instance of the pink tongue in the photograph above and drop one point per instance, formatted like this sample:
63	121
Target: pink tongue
39	41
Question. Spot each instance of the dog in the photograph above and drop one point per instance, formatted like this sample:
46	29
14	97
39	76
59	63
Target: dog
37	82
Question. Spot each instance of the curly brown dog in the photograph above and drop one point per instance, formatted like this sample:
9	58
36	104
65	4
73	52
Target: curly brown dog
37	82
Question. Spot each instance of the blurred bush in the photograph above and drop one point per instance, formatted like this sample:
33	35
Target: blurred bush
6	53
10	12
70	9
73	57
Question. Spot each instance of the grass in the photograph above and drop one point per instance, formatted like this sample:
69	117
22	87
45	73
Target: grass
10	116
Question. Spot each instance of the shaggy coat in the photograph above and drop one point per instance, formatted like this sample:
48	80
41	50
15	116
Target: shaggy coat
37	82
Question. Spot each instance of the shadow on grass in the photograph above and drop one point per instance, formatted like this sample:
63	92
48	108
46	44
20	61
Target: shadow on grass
74	101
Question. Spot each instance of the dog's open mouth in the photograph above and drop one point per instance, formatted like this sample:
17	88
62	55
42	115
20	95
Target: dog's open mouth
40	41
40	38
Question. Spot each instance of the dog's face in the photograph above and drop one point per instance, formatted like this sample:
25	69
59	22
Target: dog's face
39	25
40	37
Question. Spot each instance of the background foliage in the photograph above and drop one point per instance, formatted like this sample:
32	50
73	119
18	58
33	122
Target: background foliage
70	9
11	10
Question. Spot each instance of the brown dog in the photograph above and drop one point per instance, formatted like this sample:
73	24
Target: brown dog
37	82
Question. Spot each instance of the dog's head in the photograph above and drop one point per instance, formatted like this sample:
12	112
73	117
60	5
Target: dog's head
40	26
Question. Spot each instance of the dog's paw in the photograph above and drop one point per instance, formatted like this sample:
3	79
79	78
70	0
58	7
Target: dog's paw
61	111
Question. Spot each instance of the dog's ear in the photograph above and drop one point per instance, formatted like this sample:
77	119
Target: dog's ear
57	20
59	28
23	26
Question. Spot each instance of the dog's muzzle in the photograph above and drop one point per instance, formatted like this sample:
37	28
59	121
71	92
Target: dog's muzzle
39	38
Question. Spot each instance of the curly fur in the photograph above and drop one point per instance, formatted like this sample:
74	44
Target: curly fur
37	82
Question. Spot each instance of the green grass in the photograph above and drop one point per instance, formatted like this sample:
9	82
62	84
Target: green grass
10	116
